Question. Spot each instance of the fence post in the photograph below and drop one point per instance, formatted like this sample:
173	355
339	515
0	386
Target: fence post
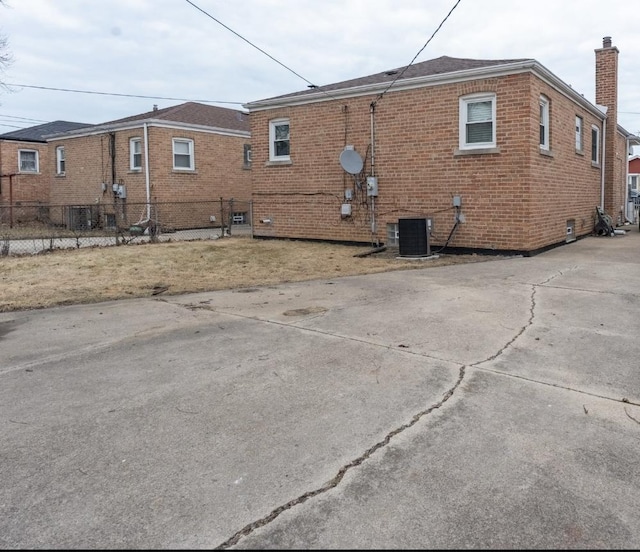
230	215
251	218
221	218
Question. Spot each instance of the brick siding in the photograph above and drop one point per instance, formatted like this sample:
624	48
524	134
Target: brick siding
514	200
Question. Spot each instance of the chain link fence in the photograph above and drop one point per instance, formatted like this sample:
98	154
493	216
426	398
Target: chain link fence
32	229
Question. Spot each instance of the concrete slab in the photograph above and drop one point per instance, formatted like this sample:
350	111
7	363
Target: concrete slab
489	405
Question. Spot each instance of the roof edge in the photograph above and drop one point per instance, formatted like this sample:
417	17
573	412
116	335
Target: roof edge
130	125
528	65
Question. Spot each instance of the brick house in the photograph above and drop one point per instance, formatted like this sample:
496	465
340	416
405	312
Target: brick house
493	155
190	153
25	163
634	175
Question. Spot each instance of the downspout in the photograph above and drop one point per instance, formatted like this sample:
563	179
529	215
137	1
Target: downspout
372	110
604	145
146	172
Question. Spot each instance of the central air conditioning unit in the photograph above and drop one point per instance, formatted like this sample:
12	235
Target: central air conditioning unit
79	218
413	237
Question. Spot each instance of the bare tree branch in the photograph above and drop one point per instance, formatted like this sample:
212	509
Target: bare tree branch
5	55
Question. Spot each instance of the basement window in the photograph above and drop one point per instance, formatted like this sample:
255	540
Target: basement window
392	234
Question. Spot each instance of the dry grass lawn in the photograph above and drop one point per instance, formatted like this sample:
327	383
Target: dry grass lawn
100	274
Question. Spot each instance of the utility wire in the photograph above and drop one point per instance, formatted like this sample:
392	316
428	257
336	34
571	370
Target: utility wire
23	118
414	57
115	94
250	43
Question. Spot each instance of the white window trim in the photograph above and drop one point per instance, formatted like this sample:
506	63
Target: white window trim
192	164
20	152
272	137
132	153
596	161
59	158
544	123
476	98
579	134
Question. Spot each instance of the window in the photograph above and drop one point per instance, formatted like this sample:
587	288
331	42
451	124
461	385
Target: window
279	140
392	234
477	121
28	161
60	160
183	154
544	123
578	133
247	156
595	144
135	154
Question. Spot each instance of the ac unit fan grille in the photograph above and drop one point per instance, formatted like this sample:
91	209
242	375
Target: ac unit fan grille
413	237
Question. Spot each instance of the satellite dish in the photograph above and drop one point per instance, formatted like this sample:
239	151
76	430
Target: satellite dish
351	161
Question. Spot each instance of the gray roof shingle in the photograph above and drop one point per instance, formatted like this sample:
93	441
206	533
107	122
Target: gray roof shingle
196	114
38	132
437	66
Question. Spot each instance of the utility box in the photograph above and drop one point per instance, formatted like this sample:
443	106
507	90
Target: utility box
372	186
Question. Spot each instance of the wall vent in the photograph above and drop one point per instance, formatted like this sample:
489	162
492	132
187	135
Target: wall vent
413	237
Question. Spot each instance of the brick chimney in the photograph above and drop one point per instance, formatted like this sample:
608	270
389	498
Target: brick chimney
607	95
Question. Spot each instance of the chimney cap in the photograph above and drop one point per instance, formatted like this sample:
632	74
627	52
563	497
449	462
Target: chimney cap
606	42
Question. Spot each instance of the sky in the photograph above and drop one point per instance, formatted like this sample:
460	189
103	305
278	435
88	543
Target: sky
229	53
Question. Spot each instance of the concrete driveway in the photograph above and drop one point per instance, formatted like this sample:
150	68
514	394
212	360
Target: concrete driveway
486	405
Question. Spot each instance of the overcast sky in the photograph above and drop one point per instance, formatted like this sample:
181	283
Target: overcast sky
171	49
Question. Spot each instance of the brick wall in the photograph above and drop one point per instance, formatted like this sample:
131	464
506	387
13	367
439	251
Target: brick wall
517	199
615	146
219	169
27	187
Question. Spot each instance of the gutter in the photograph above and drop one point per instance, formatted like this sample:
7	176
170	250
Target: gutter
604	145
102	128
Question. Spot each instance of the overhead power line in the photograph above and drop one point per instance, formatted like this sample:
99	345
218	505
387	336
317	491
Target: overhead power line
419	52
115	94
23	118
251	43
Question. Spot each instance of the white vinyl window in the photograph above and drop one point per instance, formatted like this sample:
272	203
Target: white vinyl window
579	140
478	121
135	154
28	161
60	166
183	154
595	144
544	123
279	140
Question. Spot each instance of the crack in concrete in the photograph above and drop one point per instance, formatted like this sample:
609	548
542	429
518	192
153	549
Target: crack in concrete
296	326
526	326
335	481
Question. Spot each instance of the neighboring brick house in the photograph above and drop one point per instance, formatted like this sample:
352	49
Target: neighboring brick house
496	155
634	175
190	153
25	163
